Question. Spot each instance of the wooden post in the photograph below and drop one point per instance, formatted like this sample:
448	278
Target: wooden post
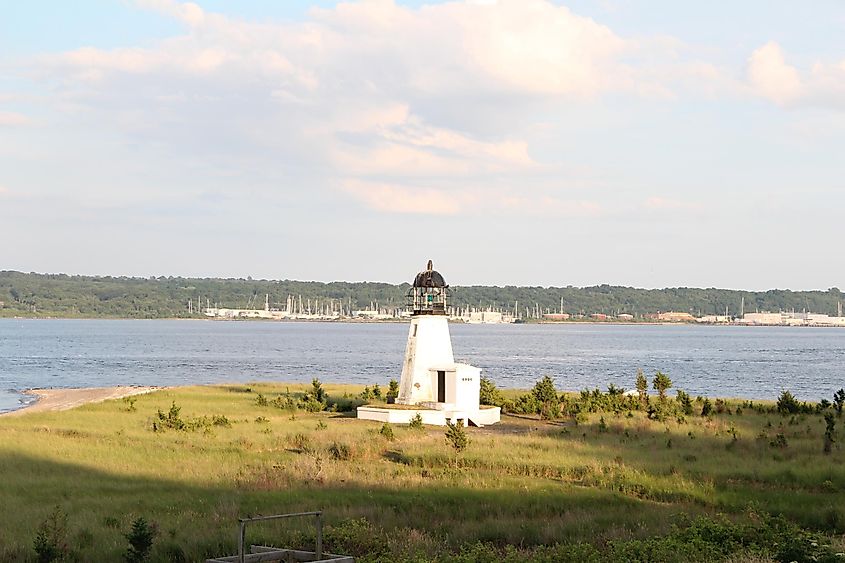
241	542
319	552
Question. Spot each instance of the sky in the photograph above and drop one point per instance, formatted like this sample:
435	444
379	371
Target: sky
648	143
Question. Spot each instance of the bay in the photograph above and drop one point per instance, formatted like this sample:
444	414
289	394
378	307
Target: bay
717	361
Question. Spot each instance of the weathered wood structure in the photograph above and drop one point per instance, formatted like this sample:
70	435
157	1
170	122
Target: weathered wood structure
261	553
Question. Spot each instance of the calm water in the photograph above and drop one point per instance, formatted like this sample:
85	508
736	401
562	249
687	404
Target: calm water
717	361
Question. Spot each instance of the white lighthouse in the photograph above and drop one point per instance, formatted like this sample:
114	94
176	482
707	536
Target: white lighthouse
431	380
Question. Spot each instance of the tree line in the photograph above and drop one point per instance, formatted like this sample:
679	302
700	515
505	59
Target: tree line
60	295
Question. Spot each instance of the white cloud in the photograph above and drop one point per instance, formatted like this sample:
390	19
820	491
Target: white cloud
405	199
472	201
10	119
772	77
666	204
375	97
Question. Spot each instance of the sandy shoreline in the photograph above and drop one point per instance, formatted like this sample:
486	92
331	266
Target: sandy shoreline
64	399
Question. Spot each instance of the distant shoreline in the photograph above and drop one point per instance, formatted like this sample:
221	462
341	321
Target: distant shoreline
590	322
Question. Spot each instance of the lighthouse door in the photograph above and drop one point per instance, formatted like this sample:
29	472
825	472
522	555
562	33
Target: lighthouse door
441	386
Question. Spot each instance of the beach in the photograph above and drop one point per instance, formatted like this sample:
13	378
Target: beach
64	399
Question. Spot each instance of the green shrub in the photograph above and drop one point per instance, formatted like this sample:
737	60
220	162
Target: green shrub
387	431
416	422
602	425
285	402
642	388
314	400
544	391
301	442
130	402
340	451
317	390
171	420
376	391
220	420
261	400
661	384
392	390
550	411
684	402
456	437
489	393
262	420
321	425
310	404
830	427
360	537
839	401
140	539
787	404
660	411
344	404
779	442
706	407
50	542
526	404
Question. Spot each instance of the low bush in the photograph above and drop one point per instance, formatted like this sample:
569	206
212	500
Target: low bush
706	407
172	420
301	442
779	442
839	401
416	422
387	431
140	537
393	390
285	401
50	542
340	451
830	428
489	393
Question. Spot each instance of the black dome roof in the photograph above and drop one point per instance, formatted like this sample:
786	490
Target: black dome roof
429	278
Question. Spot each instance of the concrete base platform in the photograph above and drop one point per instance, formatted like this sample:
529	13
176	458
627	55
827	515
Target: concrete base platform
435	417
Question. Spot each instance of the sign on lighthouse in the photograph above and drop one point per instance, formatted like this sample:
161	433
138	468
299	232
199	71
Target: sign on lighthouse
431	380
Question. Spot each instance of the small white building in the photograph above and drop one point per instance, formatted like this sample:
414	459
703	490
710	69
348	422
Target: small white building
431	380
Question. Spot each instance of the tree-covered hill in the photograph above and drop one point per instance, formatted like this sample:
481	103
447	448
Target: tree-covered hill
61	295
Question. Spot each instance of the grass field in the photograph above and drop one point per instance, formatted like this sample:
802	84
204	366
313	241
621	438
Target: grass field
526	489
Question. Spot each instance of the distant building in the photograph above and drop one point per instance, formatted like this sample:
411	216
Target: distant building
714	319
764	318
792	319
675	317
486	317
598	317
625	317
556	316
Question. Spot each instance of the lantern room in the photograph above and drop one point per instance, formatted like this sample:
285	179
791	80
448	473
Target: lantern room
429	292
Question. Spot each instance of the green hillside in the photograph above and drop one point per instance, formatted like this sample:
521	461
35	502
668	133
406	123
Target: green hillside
61	295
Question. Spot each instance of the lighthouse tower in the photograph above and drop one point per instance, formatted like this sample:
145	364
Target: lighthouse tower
429	344
432	385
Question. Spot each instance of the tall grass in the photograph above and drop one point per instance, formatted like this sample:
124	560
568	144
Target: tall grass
523	483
